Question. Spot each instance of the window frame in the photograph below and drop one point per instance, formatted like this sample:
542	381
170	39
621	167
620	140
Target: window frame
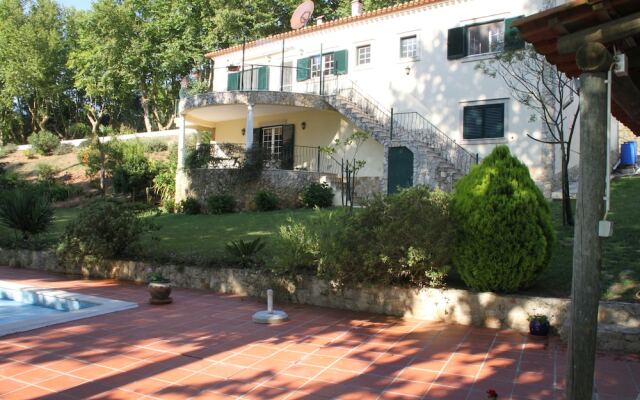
416	39
470	27
367	58
484	140
321	60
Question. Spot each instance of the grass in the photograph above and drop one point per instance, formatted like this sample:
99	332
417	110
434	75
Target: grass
621	252
201	239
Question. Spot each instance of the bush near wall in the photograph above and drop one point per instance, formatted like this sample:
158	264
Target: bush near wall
505	233
44	142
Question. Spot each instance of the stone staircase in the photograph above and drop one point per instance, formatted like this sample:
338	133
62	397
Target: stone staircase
439	161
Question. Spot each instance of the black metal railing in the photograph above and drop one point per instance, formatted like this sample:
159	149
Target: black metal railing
295	158
416	126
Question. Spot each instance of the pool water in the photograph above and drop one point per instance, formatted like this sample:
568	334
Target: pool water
14	311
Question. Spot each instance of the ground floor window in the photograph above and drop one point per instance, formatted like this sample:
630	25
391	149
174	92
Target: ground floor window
272	140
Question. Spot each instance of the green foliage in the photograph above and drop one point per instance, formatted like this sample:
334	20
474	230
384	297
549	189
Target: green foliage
345	153
46	174
30	154
169	206
297	249
245	251
133	172
8	179
155	146
164	183
106	228
221	204
505	235
190	206
64	148
265	200
405	238
317	195
78	130
198	157
7	149
44	142
157	277
25	210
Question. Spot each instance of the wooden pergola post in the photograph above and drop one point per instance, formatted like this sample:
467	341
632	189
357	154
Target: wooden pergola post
594	61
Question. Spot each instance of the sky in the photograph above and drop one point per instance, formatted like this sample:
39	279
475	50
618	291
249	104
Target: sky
79	4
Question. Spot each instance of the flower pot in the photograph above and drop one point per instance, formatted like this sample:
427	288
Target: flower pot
538	328
160	292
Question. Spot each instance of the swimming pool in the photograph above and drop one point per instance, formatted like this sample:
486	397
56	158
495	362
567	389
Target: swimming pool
24	307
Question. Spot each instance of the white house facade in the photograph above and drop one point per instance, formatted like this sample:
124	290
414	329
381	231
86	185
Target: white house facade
406	75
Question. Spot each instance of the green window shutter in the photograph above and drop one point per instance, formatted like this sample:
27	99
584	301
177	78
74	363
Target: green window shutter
257	136
302	69
263	78
340	62
288	135
233	79
512	38
482	122
457	43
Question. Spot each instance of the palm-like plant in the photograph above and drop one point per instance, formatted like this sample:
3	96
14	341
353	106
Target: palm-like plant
25	210
245	251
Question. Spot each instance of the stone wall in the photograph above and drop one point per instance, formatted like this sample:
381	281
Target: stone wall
619	327
287	185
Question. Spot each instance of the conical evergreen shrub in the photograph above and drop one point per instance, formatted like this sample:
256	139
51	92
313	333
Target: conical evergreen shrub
505	233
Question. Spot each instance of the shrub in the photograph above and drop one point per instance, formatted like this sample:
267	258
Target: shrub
132	172
106	228
245	251
265	200
190	206
127	130
44	142
59	192
198	157
45	174
7	149
405	238
155	146
78	130
164	182
8	179
64	148
29	153
297	249
25	210
169	206
220	204
317	195
505	232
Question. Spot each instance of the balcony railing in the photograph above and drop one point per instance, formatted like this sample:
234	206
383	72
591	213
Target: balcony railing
294	158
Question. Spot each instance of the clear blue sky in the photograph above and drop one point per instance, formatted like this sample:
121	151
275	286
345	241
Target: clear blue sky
79	4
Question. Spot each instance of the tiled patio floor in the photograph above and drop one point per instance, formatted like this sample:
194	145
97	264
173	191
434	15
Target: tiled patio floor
204	346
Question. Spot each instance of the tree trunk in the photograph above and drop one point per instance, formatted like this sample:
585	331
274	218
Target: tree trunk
567	212
144	101
162	127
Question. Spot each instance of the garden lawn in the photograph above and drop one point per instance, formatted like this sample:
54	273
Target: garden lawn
201	239
621	252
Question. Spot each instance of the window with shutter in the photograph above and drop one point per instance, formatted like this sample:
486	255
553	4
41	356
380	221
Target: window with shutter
233	81
512	38
483	121
457	43
263	78
302	69
340	62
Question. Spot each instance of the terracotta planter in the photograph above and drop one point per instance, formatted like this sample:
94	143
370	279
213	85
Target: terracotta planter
160	292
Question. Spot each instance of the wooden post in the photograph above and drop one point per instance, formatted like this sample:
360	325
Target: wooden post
594	61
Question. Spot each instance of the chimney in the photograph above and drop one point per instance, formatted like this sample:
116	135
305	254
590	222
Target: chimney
356	8
320	20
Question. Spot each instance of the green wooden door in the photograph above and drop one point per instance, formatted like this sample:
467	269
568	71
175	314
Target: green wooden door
400	169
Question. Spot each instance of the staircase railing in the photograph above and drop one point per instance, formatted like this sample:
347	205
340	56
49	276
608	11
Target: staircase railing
417	126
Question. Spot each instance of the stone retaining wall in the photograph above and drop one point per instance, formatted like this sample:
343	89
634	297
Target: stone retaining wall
619	322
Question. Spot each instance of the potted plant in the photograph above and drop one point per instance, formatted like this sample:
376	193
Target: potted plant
159	289
538	325
492	394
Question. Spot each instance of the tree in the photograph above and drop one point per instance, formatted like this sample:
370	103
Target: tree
350	165
549	94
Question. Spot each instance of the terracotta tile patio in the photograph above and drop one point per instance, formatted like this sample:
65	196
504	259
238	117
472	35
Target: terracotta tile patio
204	346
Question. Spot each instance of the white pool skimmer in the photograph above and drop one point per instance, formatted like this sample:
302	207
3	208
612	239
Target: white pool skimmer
270	316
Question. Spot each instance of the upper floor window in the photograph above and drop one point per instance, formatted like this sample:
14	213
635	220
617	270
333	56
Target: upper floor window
326	65
409	47
363	55
483	121
485	38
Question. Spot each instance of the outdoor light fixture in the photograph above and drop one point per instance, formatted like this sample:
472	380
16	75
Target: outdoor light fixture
244	131
303	125
407	69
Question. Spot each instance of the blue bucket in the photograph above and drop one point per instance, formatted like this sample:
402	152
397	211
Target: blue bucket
629	153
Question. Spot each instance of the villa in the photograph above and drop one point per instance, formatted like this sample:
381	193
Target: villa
406	75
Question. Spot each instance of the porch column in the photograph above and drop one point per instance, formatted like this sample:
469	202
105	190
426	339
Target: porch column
248	133
594	61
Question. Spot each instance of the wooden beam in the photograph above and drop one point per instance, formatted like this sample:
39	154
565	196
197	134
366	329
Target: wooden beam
604	33
627	96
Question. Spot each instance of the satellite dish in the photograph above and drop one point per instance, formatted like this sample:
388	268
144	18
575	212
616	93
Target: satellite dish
302	15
